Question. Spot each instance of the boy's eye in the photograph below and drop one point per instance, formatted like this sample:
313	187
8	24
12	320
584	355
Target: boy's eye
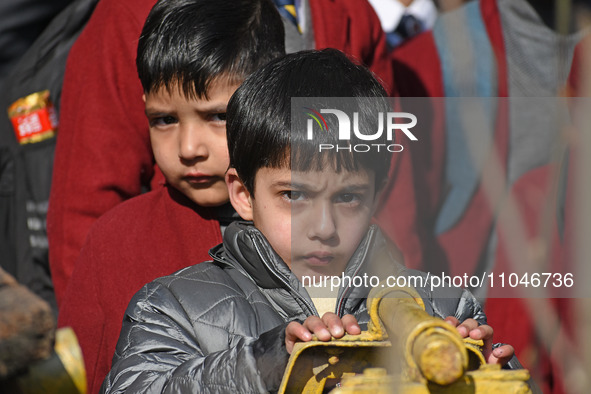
219	117
349	198
163	121
293	195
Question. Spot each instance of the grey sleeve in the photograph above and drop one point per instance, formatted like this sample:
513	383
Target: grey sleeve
469	307
158	352
444	301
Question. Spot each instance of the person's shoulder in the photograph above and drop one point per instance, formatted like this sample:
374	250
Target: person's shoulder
208	274
137	214
151	227
119	8
359	13
133	208
196	288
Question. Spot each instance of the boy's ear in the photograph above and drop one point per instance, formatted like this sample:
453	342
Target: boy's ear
239	195
144	97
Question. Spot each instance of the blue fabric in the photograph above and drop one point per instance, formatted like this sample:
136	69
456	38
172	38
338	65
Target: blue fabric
468	70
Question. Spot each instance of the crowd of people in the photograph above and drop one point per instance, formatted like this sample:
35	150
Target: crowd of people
187	204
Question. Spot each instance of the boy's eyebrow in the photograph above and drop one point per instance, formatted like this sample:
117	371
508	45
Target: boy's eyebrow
154	112
283	184
212	108
354	187
202	109
306	186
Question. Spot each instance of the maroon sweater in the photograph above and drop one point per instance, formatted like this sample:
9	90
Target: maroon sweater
146	237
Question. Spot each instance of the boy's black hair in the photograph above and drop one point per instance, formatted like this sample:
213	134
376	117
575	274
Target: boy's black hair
190	43
262	131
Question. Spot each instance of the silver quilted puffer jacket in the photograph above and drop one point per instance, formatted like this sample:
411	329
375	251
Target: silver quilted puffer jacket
219	327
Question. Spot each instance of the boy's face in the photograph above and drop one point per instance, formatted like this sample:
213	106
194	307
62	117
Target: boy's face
189	141
314	220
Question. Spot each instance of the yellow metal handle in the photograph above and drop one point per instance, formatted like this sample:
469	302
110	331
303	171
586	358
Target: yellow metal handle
430	346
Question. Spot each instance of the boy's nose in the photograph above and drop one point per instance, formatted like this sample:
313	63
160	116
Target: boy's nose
191	145
322	223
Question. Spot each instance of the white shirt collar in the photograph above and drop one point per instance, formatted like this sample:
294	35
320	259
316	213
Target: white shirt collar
390	11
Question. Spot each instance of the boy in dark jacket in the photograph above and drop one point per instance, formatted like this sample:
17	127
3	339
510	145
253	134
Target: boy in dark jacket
230	324
191	57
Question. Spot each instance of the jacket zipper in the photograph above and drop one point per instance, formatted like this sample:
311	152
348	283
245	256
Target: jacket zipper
311	308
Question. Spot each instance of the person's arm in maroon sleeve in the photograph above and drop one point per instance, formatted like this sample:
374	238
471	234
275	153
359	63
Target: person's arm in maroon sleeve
103	154
81	309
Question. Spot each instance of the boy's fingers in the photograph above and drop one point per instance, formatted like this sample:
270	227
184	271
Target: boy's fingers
467	326
295	332
470	328
501	355
315	325
452	320
334	324
483	332
351	325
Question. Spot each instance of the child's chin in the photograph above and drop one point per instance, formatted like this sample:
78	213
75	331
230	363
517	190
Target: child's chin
209	201
316	271
208	198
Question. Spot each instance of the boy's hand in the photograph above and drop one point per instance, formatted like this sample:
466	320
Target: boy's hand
470	328
325	328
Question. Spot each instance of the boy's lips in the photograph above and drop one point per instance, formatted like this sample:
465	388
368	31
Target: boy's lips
319	258
199	178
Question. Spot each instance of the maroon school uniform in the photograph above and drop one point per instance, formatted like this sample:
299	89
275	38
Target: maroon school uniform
141	239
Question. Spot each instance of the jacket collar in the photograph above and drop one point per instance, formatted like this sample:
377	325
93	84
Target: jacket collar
246	249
